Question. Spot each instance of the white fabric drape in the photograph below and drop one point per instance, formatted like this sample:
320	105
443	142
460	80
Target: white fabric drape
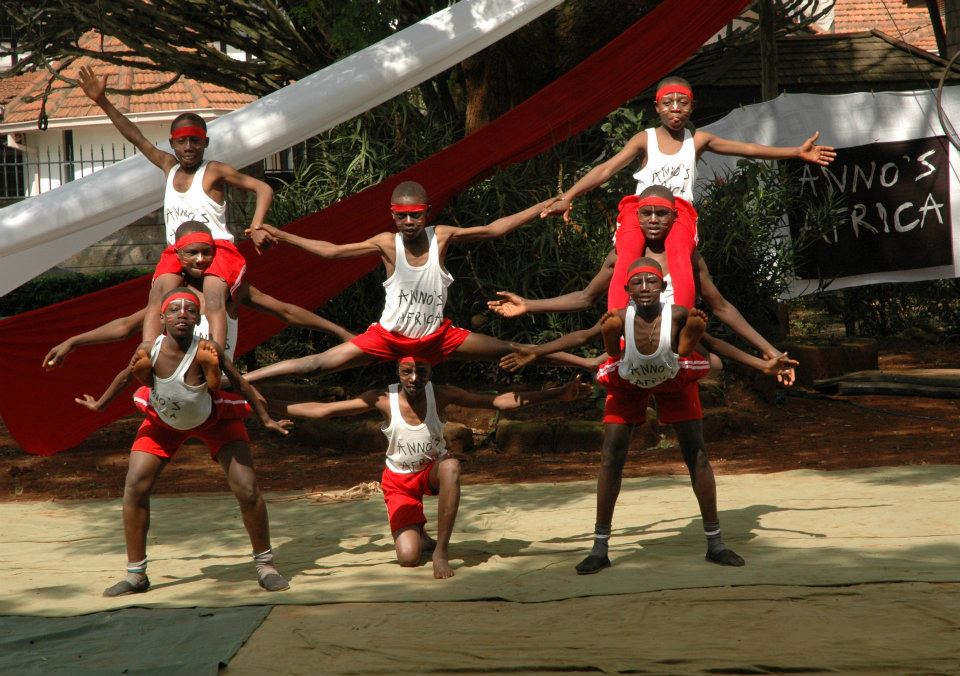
40	232
845	121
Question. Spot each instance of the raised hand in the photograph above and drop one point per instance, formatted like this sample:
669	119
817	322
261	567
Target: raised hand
509	305
515	361
814	154
94	87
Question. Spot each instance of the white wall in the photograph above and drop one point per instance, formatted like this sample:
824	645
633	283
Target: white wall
94	147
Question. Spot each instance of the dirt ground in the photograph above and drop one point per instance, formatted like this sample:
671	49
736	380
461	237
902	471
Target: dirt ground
795	431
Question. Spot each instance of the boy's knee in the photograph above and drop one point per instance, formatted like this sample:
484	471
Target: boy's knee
247	493
449	470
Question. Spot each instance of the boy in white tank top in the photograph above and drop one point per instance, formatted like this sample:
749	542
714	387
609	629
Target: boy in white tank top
644	342
195	190
417	460
184	403
412	321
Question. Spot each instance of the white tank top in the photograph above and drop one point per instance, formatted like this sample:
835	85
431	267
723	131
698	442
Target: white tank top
193	205
648	370
416	296
202	330
666	296
678	172
181	406
412	447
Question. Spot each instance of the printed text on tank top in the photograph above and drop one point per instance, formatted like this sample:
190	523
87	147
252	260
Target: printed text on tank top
411	446
648	370
415	295
192	204
675	171
181	405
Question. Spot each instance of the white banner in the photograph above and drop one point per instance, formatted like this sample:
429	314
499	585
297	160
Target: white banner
895	170
40	232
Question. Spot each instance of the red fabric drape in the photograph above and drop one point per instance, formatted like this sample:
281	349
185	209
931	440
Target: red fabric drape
38	407
631	244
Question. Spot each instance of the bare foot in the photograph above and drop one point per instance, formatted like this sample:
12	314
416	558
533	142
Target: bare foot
441	567
209	361
692	332
611	326
141	367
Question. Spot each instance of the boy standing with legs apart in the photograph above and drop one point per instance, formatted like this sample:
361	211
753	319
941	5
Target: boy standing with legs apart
195	190
184	403
646	342
417	460
412	322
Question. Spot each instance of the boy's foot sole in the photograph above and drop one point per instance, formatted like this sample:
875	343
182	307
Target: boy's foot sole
727	557
123	587
592	564
274	582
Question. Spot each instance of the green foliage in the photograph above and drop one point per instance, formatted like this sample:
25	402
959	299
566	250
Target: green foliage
932	307
745	241
542	259
55	288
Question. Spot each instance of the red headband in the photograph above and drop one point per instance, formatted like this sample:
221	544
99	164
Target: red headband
183	295
654	201
646	268
199	132
412	359
673	89
408	208
193	238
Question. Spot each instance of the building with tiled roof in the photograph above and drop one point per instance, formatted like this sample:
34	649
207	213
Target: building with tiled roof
79	138
906	20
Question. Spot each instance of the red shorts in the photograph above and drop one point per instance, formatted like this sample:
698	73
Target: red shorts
224	425
403	494
629	249
228	264
434	348
678	399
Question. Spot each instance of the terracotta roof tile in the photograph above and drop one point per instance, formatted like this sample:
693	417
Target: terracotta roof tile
66	101
906	20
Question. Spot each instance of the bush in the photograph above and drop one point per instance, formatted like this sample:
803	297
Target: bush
55	288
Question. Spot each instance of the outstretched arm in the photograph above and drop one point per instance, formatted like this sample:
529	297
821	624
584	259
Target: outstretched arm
376	245
112	331
727	313
781	366
808	151
119	384
335	409
497	228
449	394
512	305
528	354
600	174
96	89
250	394
294	315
